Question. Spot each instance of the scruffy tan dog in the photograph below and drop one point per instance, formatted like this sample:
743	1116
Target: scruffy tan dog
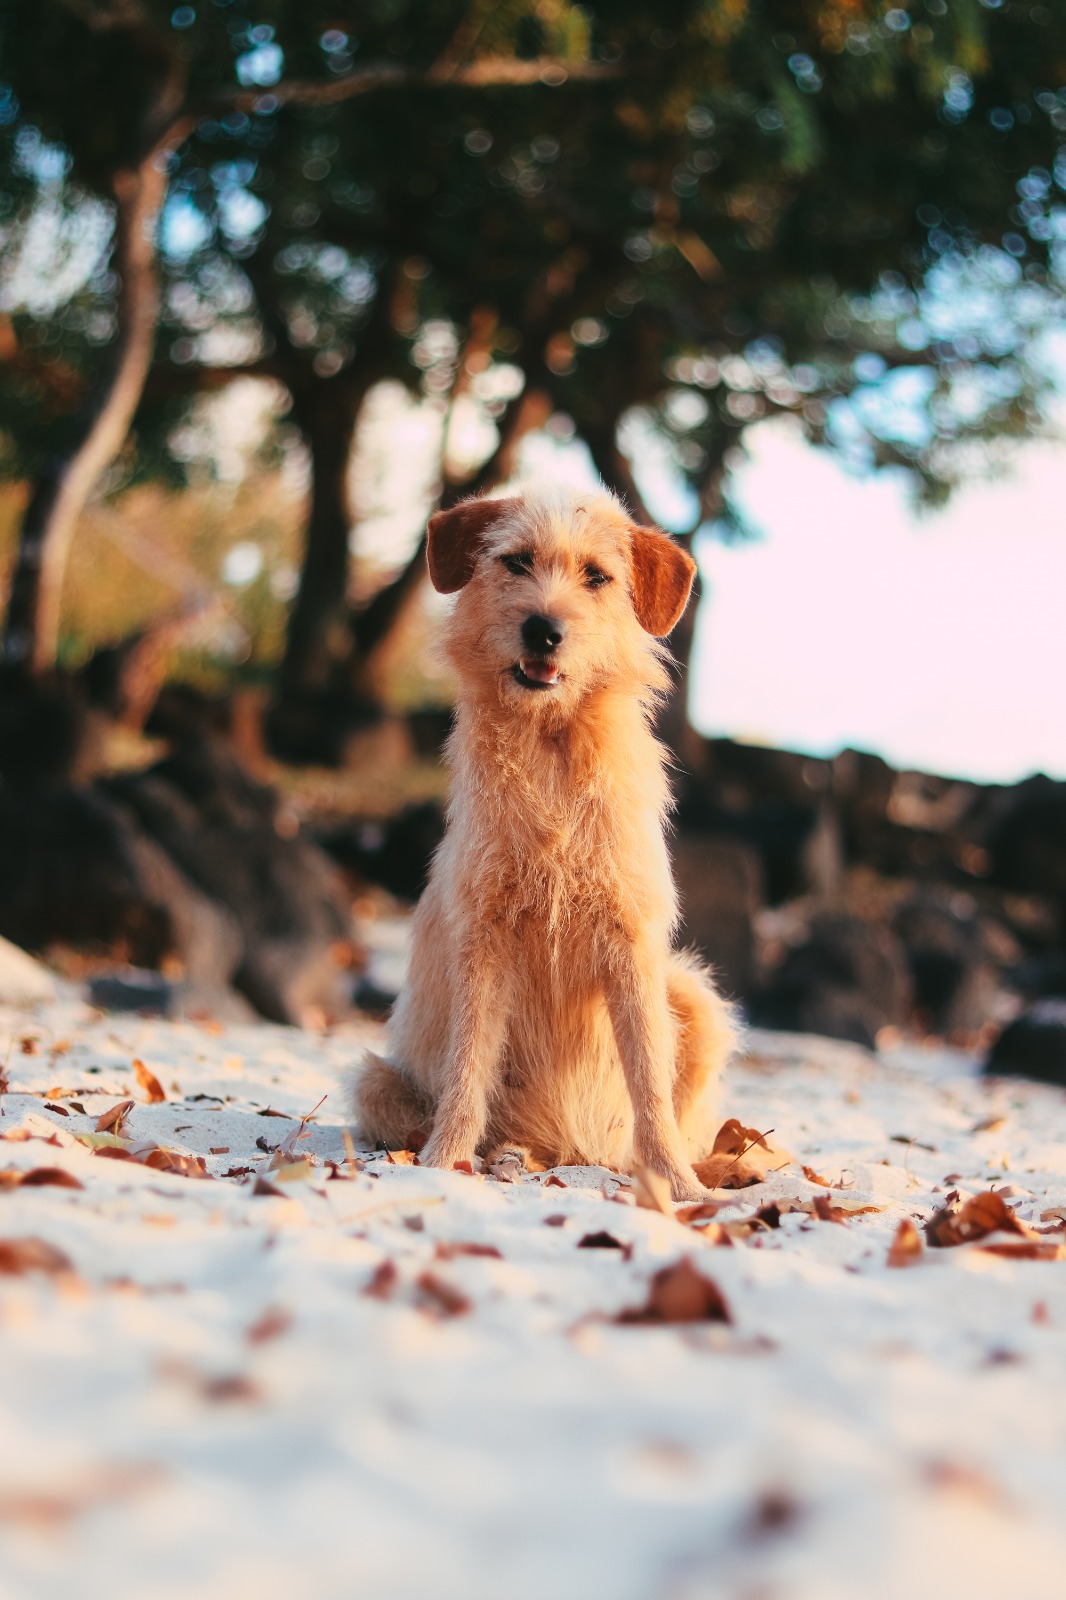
545	1006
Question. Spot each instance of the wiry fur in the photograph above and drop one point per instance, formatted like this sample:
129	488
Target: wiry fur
545	1006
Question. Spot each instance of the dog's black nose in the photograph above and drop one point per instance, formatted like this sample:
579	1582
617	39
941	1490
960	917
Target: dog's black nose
542	633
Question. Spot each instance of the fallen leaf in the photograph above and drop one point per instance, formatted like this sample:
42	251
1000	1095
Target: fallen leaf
652	1191
382	1281
153	1089
1024	1249
740	1157
238	1172
59	1110
30	1046
556	1220
174	1161
271	1325
979	1216
269	1112
553	1182
989	1125
402	1158
769	1215
823	1208
51	1508
604	1241
814	1177
230	1388
50	1177
261	1187
906	1249
680	1293
704	1212
112	1120
447	1249
218	1150
441	1299
905	1138
292	1171
18	1256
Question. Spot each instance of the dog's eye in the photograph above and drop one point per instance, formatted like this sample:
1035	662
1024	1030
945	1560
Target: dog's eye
595	577
521	563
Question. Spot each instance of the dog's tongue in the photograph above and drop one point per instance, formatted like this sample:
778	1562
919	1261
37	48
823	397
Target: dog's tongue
540	671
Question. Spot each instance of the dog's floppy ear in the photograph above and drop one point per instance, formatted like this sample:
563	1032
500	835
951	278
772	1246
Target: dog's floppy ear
454	540
662	580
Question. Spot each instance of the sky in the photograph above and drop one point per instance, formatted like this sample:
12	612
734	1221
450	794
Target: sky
938	641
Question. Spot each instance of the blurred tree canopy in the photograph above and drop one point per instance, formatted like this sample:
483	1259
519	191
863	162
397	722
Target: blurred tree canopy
663	221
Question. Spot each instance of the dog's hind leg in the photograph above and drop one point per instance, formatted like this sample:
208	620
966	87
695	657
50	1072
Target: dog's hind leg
705	1038
389	1108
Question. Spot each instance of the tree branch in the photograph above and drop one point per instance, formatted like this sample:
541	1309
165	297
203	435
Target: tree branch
489	72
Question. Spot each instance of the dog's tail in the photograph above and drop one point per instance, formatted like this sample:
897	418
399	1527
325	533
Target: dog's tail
387	1107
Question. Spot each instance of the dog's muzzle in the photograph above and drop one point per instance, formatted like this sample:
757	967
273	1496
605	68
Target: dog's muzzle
541	636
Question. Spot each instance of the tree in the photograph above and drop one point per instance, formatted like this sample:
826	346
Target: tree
123	84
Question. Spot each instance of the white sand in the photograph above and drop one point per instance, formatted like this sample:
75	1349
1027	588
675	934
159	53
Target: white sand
858	1433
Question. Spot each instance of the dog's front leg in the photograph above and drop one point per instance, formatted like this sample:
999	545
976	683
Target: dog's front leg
645	1033
478	1029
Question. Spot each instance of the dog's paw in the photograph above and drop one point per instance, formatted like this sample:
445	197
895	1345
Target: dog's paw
687	1187
507	1162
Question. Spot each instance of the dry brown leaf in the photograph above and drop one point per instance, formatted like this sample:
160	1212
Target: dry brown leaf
271	1325
173	1161
153	1089
230	1388
1024	1249
815	1177
652	1191
51	1508
447	1249
740	1157
823	1208
604	1241
704	1212
113	1119
382	1281
680	1293
441	1299
988	1125
402	1158
262	1187
981	1215
906	1249
45	1177
18	1256
269	1112
59	1110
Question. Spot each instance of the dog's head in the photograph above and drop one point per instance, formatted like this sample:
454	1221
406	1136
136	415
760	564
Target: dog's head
560	594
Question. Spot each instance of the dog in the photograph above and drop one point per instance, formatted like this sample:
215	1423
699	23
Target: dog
546	1009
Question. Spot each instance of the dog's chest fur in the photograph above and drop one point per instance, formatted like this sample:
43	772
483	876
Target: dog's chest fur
543	830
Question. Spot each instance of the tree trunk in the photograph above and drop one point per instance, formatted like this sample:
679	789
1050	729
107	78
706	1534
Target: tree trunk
31	634
325	411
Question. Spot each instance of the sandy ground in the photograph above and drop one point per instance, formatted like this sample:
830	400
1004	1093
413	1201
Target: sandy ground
200	1397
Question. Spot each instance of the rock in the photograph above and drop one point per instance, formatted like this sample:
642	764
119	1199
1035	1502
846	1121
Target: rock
224	832
1033	1045
720	885
847	980
952	956
1027	844
75	868
394	854
23	981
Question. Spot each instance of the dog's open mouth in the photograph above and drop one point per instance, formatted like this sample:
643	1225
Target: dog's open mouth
535	673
